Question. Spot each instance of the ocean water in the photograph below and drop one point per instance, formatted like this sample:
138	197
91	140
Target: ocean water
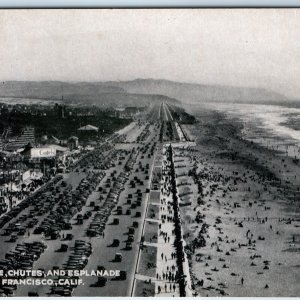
273	126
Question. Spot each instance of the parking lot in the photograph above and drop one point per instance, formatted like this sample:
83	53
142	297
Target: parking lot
99	203
95	216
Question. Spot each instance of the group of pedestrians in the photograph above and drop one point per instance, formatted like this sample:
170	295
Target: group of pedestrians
167	271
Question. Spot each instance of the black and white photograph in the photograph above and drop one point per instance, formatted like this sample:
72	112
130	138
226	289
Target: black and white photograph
150	152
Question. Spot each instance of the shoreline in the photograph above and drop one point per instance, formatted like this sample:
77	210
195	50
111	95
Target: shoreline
242	223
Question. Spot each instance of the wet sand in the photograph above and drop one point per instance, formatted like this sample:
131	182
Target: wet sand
241	221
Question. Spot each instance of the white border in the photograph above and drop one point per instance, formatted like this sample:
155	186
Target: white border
141	4
145	3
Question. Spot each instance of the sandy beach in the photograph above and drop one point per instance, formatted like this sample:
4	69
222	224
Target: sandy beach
240	212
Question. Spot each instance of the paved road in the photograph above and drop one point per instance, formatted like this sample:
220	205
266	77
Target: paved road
103	255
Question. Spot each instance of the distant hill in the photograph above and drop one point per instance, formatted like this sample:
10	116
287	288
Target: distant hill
187	92
54	89
138	92
97	93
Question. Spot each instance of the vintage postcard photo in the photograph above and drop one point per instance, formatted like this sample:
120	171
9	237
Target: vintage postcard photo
150	152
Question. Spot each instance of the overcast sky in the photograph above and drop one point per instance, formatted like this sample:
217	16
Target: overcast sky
259	48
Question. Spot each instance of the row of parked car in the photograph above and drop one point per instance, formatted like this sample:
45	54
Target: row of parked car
28	219
131	160
15	211
144	134
97	160
91	157
22	257
97	226
70	204
77	260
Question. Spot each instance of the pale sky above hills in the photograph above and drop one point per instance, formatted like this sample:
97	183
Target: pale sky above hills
258	47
